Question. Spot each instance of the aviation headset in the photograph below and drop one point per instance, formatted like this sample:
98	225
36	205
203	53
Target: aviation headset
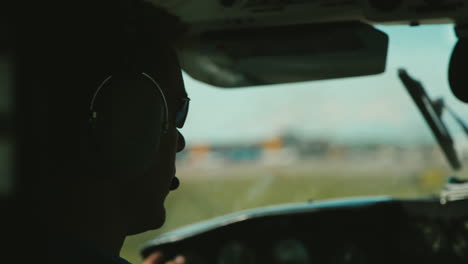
128	115
128	112
157	89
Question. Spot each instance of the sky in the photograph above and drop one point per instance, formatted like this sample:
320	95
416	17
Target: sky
361	109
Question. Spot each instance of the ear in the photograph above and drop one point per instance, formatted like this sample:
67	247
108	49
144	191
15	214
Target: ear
128	127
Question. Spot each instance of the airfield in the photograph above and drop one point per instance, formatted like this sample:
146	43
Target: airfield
212	186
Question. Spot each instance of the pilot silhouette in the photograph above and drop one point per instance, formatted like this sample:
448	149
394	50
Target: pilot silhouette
115	102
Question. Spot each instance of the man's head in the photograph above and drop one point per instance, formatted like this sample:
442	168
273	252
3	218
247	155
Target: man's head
134	138
143	196
114	173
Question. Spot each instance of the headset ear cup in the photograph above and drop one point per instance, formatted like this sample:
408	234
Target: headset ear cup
127	128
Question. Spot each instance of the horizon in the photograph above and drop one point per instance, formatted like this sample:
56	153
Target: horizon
380	110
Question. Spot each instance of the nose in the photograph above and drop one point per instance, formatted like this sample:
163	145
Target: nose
180	142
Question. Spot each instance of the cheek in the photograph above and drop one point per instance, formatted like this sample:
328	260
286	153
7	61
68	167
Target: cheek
158	175
157	179
168	148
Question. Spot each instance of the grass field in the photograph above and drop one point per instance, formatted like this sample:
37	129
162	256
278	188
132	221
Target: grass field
207	193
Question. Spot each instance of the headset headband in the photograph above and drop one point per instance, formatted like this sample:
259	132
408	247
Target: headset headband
165	127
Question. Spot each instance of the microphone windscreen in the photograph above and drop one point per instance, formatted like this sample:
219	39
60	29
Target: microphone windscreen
175	183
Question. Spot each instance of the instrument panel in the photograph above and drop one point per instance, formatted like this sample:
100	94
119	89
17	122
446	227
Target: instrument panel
384	233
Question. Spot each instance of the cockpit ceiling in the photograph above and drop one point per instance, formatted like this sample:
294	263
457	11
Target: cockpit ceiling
217	14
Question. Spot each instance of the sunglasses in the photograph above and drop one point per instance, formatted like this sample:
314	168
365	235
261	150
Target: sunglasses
182	111
182	107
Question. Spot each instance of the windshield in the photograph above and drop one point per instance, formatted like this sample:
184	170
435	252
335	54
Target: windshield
262	146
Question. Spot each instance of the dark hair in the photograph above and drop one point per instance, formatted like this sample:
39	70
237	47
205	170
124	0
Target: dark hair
123	33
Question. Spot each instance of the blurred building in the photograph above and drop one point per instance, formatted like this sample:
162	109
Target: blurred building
290	149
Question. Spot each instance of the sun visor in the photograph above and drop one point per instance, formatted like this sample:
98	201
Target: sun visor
261	56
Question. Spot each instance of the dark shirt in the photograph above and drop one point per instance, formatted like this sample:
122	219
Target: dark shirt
68	251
